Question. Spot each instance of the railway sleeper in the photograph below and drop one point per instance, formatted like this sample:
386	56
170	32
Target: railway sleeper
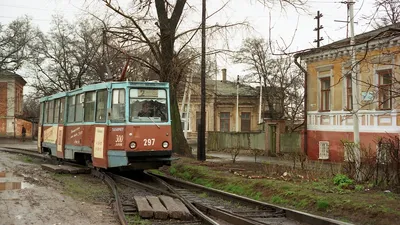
162	207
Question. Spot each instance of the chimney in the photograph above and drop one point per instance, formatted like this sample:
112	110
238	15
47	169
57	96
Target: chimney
224	75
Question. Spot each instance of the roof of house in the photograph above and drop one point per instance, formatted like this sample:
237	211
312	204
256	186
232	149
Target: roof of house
380	33
228	88
7	74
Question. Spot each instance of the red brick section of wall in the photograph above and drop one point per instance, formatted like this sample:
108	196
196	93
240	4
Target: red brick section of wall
3	99
18	98
336	154
18	127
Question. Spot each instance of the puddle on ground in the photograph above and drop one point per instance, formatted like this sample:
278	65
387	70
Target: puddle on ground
12	185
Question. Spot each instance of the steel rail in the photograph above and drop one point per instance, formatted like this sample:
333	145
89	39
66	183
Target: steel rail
188	204
110	182
219	213
290	213
130	182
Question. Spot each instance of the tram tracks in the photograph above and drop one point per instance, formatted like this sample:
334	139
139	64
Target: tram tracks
214	209
210	206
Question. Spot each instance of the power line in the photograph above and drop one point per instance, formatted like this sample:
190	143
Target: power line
15	17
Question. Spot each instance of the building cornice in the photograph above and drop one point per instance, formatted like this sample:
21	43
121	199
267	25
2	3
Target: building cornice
333	53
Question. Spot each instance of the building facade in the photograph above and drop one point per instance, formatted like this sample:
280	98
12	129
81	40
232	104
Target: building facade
11	111
329	93
221	107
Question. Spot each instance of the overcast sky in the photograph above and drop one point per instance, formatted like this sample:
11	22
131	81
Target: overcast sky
284	23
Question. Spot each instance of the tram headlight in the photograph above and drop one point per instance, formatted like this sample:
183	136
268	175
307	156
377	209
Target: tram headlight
165	144
132	145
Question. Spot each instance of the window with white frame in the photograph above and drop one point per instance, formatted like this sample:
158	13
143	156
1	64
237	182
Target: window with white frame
385	89
323	150
185	119
349	94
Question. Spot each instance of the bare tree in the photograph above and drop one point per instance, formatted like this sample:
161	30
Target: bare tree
158	34
64	56
386	12
280	78
30	107
153	25
15	41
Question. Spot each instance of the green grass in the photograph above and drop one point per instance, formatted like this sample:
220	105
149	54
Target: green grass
303	194
84	187
157	172
322	205
278	200
27	159
136	220
203	195
302	204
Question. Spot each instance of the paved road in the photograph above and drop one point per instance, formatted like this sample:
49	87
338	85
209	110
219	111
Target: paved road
213	156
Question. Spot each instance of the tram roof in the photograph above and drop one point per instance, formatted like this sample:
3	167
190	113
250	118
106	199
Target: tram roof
114	84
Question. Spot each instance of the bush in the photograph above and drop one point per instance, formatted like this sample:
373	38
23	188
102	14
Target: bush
342	180
322	205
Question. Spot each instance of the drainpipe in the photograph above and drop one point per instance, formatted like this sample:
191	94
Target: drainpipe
237	104
305	144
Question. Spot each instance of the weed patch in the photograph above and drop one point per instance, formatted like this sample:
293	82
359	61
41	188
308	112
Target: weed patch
342	180
278	200
77	187
136	220
322	205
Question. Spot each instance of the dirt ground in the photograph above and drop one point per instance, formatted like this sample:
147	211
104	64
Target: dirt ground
38	198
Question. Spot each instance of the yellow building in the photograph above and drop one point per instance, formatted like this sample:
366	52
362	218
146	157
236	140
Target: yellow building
221	105
329	92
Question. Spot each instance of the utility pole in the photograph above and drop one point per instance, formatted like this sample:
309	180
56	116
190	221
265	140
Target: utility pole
319	27
260	109
237	104
354	92
201	136
187	119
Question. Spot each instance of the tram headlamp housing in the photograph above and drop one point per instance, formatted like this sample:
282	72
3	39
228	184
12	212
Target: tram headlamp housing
165	144
132	145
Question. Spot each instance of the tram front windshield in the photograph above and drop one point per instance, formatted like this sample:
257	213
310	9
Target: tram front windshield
148	105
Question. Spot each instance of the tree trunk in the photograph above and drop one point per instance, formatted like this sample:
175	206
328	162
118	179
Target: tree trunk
179	142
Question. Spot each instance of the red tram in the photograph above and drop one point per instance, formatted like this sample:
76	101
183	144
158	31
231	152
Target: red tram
110	125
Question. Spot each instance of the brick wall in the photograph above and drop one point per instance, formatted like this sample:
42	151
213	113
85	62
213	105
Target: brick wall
3	99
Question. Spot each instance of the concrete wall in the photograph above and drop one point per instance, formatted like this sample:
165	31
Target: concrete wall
290	142
232	140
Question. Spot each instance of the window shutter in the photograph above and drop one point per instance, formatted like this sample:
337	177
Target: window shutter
323	150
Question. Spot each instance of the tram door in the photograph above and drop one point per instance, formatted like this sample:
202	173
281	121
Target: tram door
40	128
59	109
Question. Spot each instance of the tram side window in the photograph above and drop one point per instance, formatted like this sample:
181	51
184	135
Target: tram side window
90	99
50	112
79	108
71	108
118	106
57	110
62	106
101	107
45	111
41	113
